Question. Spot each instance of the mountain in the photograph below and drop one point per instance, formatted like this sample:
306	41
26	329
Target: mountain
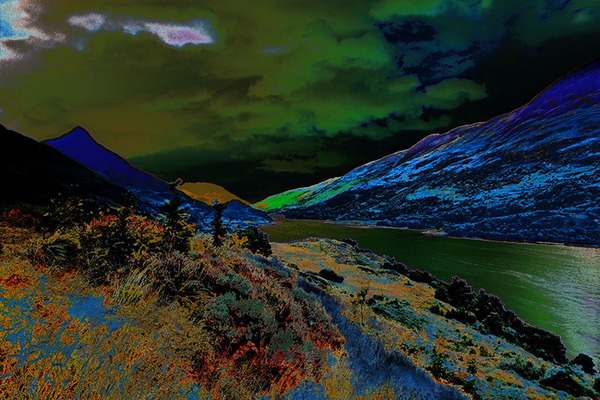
209	192
33	173
150	190
82	146
531	174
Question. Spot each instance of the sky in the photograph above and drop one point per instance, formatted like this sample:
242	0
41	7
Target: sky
265	96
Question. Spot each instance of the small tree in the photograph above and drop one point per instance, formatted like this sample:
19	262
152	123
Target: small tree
257	241
361	299
177	231
219	230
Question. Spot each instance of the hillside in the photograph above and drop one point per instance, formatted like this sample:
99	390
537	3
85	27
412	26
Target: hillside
530	174
209	192
34	172
150	190
318	319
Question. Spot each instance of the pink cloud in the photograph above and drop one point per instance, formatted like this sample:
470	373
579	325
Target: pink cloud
172	34
179	36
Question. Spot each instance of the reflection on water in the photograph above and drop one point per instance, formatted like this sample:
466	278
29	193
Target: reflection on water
551	286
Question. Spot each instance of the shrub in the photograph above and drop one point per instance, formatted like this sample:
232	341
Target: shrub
423	276
393	265
483	351
462	315
219	230
586	362
496	319
464	342
57	252
256	241
264	326
493	324
176	277
116	244
400	311
177	232
565	380
525	368
18	218
331	275
457	293
350	241
436	309
472	366
67	211
436	366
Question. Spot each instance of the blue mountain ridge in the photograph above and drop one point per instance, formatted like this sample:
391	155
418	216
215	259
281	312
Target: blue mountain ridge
152	191
530	175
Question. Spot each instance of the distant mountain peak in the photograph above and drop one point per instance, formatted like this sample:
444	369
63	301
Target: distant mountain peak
77	133
82	146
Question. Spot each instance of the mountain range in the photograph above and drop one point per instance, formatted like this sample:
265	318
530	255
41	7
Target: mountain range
151	190
34	172
531	174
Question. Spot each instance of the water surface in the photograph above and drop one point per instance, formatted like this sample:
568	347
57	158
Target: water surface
552	286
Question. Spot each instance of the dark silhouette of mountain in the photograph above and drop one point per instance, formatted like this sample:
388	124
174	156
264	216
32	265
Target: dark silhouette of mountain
33	173
531	174
150	190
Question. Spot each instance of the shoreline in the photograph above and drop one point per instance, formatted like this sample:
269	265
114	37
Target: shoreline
278	219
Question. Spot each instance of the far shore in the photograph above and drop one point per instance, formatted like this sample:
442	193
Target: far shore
431	232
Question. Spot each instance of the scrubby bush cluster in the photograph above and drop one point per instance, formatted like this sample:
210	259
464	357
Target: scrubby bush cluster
18	218
493	317
264	324
267	335
525	368
255	240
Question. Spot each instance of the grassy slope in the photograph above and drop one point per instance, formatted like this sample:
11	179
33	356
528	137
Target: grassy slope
401	319
63	338
209	192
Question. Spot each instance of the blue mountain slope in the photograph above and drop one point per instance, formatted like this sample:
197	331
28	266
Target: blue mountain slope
80	145
532	174
151	190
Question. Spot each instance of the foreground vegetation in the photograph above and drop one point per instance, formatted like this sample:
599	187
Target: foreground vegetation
99	302
189	316
465	339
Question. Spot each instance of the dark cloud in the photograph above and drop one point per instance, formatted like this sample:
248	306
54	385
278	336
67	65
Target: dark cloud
264	94
407	31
